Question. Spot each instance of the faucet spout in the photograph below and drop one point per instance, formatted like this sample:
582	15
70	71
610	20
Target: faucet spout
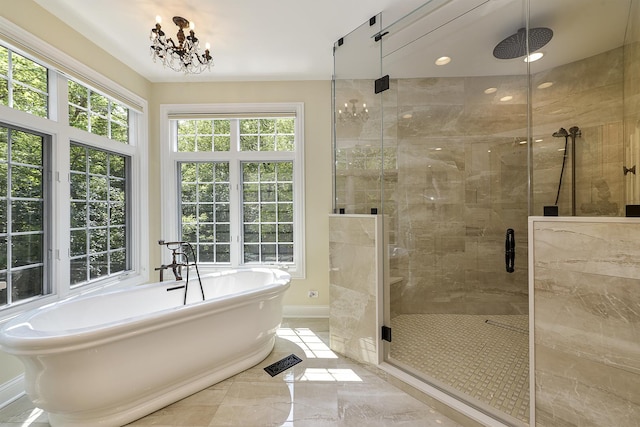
180	254
162	268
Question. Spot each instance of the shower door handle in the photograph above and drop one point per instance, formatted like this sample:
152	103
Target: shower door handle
510	250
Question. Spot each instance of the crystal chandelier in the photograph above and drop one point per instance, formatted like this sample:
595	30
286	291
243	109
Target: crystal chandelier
183	56
351	114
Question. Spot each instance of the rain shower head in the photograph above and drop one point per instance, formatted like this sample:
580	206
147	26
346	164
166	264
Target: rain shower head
562	133
515	45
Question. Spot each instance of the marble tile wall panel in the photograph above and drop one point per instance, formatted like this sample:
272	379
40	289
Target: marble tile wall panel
586	282
457	178
599	181
584	93
354	277
588	94
632	71
455	198
632	103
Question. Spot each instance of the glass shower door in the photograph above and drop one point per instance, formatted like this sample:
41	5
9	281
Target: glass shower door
357	117
455	126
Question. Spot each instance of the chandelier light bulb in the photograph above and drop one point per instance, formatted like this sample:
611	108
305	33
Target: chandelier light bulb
158	19
192	26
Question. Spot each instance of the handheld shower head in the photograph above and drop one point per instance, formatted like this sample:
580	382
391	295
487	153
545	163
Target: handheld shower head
575	131
562	133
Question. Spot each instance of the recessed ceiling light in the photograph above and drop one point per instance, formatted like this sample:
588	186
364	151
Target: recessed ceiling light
490	90
443	60
438	149
407	116
539	140
533	57
545	85
506	98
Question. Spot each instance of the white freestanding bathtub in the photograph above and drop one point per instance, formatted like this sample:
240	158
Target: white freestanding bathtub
110	358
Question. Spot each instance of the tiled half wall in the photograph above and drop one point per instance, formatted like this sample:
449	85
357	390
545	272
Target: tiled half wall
586	321
356	278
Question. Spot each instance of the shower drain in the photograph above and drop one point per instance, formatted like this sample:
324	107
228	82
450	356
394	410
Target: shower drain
505	326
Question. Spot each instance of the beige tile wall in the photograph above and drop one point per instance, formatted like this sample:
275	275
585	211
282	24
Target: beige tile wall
587	94
451	174
586	287
356	275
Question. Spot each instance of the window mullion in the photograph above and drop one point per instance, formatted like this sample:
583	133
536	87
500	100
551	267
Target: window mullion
10	78
9	217
235	136
235	208
235	211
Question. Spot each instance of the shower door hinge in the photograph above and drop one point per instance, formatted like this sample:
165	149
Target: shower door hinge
381	84
386	333
379	36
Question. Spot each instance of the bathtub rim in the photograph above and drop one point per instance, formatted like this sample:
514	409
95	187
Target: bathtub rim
18	338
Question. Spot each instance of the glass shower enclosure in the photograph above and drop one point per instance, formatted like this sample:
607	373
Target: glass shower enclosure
443	127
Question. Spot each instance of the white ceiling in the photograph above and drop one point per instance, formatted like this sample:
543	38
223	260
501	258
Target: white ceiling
293	39
250	39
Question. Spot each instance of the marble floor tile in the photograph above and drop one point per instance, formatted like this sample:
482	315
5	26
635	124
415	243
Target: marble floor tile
324	390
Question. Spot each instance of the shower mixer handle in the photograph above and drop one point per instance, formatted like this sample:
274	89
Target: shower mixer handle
510	250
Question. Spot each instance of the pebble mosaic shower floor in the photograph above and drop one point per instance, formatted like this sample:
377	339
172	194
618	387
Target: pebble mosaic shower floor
485	357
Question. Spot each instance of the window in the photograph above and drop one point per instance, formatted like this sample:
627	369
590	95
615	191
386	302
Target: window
98	114
267	212
98	213
72	186
238	183
23	83
205	209
23	213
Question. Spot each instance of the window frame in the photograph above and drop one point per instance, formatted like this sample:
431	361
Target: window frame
12	82
87	228
47	224
171	158
61	68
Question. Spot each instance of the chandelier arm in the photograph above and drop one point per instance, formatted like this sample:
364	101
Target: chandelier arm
172	43
157	30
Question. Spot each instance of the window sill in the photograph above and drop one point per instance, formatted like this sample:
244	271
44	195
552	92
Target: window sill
122	281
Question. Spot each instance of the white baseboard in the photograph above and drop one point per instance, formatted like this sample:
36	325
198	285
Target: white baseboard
321	311
11	390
